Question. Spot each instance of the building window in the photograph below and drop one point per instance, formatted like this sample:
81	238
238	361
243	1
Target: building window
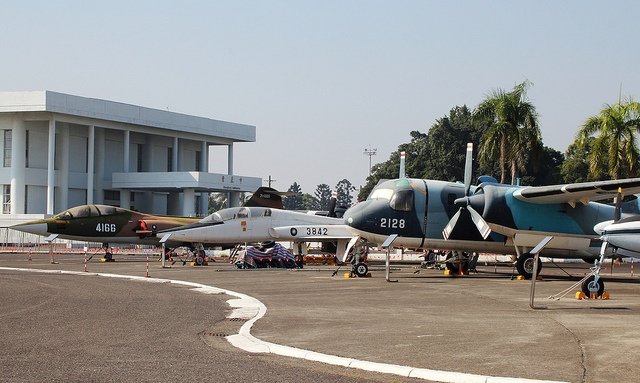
6	198
169	159
26	150
7	149
198	163
139	159
112	195
133	197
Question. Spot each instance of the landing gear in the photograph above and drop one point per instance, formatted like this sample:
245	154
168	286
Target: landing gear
108	256
360	269
457	263
593	285
524	265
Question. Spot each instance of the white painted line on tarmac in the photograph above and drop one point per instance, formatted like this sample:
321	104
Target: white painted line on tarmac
251	309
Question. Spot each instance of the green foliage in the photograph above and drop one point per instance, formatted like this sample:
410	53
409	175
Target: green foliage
323	195
344	188
615	146
309	202
545	169
294	202
575	167
446	146
513	134
217	201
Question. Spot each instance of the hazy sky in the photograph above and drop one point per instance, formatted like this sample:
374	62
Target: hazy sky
323	80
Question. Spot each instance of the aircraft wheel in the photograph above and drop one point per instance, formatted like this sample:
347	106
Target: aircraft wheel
524	265
361	269
589	260
590	283
454	267
108	256
199	260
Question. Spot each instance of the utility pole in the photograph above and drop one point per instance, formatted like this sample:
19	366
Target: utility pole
370	152
269	181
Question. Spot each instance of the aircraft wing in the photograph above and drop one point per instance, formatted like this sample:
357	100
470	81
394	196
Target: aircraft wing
342	234
579	192
528	238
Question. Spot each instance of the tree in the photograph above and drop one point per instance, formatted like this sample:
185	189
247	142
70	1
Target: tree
344	189
217	201
575	167
294	202
323	195
513	130
309	202
544	170
615	145
445	148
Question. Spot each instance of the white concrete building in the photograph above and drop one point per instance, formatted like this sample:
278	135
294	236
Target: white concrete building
61	151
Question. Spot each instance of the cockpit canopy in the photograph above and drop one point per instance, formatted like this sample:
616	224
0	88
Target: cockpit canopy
236	213
398	193
86	211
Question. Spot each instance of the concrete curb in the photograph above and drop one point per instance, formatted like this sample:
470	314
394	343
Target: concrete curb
251	309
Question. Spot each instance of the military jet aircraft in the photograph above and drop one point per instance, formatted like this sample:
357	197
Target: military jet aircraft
490	217
109	224
260	224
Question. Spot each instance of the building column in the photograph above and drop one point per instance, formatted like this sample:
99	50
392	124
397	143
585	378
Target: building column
230	160
188	202
204	167
233	198
90	163
125	194
99	166
174	154
18	150
51	158
63	168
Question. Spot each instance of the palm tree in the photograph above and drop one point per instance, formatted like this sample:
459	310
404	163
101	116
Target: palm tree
512	132
615	147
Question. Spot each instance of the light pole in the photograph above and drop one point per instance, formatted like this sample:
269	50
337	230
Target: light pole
269	181
370	152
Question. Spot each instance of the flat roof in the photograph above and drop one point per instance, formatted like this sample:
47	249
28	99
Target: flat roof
48	101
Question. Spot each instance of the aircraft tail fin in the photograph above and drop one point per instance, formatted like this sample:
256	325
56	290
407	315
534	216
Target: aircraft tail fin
266	197
402	172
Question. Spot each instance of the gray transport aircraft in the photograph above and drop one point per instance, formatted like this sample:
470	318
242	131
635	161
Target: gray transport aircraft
490	217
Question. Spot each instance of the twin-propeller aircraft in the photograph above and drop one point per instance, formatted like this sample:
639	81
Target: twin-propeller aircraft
490	217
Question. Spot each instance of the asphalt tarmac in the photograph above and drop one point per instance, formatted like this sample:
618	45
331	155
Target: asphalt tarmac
89	328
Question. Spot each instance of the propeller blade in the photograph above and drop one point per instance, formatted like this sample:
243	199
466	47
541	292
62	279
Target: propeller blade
481	224
618	211
402	171
468	169
451	225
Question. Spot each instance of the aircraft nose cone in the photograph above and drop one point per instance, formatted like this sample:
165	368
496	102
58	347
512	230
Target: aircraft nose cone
39	228
353	216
